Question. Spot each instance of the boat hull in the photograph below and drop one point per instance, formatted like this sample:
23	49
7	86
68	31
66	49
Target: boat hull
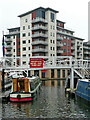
83	89
20	97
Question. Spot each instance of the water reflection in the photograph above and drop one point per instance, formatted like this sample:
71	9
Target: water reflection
50	103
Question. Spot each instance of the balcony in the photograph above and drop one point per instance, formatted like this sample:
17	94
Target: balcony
8	40
8	47
79	50
40	42
86	52
64	33
59	45
39	35
39	27
39	20
72	47
8	53
59	38
39	50
59	51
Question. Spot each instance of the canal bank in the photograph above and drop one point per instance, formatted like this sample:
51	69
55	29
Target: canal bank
50	103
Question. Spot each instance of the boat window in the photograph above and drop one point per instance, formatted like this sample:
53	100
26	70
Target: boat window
21	85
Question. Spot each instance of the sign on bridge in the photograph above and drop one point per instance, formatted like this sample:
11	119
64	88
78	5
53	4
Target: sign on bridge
36	62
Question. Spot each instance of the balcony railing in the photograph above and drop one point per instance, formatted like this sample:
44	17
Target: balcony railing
8	40
59	38
39	50
39	20
59	51
64	33
40	42
39	27
59	44
39	35
10	53
8	47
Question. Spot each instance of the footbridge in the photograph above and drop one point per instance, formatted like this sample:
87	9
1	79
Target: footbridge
79	66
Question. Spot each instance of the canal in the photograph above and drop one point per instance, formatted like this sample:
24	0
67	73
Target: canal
50	103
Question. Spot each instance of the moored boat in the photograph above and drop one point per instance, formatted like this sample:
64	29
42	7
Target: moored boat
83	89
24	89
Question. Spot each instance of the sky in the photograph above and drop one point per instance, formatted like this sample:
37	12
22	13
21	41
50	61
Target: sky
73	12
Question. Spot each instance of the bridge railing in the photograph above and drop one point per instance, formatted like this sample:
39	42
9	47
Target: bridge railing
48	62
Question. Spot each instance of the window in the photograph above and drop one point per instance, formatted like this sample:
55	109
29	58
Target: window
64	50
28	41
29	55
25	20
51	54
24	55
51	48
24	62
24	41
23	35
51	33
24	48
64	43
52	17
14	37
68	51
63	73
68	44
29	34
68	38
28	48
23	27
14	43
13	50
18	49
51	26
64	37
28	26
51	41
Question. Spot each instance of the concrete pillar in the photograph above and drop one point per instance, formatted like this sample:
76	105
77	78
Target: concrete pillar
32	72
48	74
55	73
61	73
72	79
40	74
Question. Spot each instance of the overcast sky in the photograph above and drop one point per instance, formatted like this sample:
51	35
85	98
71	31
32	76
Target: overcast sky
73	12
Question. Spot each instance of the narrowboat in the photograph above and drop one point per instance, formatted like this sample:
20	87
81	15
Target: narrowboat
83	89
24	88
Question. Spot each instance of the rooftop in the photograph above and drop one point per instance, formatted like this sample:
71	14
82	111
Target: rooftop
45	9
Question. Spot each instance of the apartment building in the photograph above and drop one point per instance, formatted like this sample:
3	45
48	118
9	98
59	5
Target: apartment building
41	34
86	50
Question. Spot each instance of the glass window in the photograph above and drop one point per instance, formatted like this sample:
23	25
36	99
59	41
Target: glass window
24	48
29	34
24	42
64	43
51	41
51	33
28	48
52	17
28	26
24	62
28	41
63	73
26	20
23	27
23	35
51	48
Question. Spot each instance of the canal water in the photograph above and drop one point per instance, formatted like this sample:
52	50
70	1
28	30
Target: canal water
50	103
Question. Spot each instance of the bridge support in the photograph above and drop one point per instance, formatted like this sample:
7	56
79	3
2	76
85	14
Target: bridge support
72	79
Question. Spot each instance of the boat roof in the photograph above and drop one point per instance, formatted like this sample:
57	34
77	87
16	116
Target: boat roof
84	80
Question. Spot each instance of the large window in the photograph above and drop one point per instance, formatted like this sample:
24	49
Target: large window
52	17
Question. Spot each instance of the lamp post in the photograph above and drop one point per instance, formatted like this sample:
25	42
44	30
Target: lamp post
3	68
